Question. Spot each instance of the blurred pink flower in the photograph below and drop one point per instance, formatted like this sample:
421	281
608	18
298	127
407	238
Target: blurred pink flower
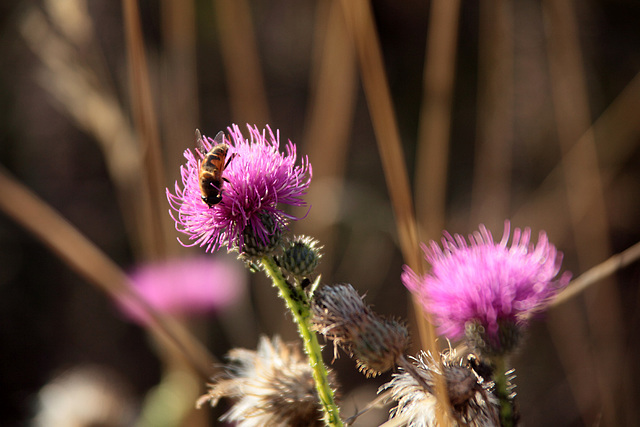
184	287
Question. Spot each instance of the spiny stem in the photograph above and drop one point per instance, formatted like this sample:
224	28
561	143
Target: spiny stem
298	304
502	391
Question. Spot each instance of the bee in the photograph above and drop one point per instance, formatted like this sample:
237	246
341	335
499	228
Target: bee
211	168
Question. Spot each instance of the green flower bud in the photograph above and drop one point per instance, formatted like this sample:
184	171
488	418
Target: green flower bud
300	257
478	340
254	246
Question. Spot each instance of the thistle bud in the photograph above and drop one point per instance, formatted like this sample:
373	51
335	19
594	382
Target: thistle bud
261	241
503	342
376	343
300	257
379	345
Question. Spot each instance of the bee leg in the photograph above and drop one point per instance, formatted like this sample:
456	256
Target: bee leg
230	158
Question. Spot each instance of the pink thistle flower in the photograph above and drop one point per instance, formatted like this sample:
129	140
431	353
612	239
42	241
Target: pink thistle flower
486	283
185	287
257	181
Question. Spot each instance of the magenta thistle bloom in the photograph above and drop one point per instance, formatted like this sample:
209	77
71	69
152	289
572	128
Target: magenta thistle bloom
257	181
486	283
185	287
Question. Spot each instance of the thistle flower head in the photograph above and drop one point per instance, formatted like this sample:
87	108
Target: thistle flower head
256	182
490	285
376	343
471	397
272	386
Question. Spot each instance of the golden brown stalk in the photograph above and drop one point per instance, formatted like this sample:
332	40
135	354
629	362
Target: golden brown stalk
79	87
435	117
615	133
492	166
597	273
360	22
179	81
583	182
146	123
328	122
94	266
241	62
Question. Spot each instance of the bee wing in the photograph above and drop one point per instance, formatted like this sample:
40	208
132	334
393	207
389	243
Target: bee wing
200	143
219	139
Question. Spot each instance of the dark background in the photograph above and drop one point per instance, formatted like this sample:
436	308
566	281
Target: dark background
577	366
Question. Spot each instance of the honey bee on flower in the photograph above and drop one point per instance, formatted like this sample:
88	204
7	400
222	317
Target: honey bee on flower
212	168
242	198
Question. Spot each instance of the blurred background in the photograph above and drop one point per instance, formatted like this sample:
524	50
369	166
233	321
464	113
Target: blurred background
524	110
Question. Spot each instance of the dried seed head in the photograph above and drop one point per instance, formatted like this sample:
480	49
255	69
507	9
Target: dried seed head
272	386
471	397
300	257
106	399
339	314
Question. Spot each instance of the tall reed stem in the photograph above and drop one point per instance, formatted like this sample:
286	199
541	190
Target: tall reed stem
298	303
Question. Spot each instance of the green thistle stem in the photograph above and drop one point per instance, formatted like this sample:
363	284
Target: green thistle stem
298	304
502	391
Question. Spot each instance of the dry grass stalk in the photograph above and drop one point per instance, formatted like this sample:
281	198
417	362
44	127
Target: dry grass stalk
591	233
241	62
179	82
492	166
360	22
328	122
84	96
597	273
146	125
615	133
435	117
86	259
